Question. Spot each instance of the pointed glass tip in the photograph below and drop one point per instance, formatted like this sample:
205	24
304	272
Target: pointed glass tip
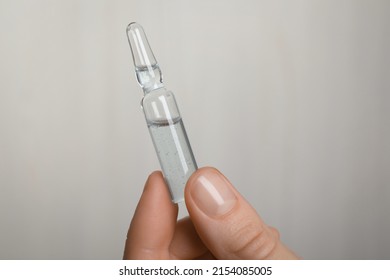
148	72
140	48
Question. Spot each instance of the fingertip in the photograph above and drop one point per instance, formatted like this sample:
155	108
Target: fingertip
156	173
155	184
154	177
155	191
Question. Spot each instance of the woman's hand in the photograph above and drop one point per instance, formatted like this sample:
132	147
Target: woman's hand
221	225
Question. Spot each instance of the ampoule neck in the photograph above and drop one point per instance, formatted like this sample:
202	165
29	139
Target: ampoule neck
149	77
159	90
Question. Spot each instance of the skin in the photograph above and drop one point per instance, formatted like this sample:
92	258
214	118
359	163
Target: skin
235	232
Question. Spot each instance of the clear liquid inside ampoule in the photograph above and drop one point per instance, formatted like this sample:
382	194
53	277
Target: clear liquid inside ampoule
174	153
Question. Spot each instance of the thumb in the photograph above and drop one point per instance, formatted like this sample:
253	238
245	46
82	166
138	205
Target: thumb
226	223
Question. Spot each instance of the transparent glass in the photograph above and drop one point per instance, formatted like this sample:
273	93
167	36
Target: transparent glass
162	116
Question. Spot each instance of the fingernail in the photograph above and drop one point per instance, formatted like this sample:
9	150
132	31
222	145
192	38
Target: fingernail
213	194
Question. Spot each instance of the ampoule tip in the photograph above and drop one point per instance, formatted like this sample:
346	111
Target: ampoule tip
140	48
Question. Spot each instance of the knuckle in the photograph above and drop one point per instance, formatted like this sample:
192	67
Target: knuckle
275	233
253	241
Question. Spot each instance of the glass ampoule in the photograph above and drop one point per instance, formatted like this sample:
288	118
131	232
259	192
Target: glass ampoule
162	116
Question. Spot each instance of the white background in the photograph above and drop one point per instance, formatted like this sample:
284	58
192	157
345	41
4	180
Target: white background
289	99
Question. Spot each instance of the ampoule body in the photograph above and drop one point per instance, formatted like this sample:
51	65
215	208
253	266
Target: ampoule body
162	116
